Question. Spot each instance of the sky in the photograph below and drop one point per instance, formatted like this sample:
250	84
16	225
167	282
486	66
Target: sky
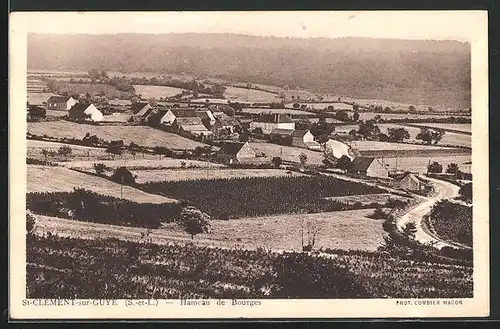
437	25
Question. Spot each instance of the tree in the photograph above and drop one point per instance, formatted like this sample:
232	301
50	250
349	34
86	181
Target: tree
94	75
368	129
45	153
152	101
344	163
466	191
452	168
355	107
398	134
428	136
65	151
355	116
100	168
322	128
194	221
277	162
342	115
435	167
303	159
296	106
412	108
36	112
123	176
437	135
410	230
115	148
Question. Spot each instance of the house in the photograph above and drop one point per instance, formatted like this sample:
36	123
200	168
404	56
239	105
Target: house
270	121
236	152
173	114
411	183
60	103
192	125
224	122
368	166
281	136
140	111
85	112
304	138
206	117
337	149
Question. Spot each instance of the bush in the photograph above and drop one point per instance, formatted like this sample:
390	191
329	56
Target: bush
123	176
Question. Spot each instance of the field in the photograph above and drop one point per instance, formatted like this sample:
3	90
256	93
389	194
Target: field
58	179
419	163
144	176
449	138
366	199
452	221
261	196
149	91
458	127
396	105
75	268
142	135
287	111
287	153
388	116
322	106
250	95
149	163
39	98
92	88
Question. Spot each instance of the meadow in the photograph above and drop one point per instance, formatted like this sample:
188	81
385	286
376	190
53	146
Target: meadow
39	98
59	267
265	110
142	135
322	106
59	179
92	88
457	127
367	199
141	164
144	176
150	91
419	163
249	95
287	153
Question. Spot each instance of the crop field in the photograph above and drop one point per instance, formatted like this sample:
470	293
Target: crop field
261	196
140	163
111	268
58	179
144	176
149	91
458	127
368	198
250	95
92	88
142	135
287	153
419	163
286	111
449	138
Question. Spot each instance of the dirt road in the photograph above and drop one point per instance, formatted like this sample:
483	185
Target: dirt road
444	190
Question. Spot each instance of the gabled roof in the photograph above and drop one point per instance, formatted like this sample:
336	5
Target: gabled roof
411	176
195	128
362	163
282	132
226	120
299	133
184	113
79	107
137	107
274	118
59	99
231	147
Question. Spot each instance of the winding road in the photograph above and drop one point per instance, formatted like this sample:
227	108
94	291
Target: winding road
444	190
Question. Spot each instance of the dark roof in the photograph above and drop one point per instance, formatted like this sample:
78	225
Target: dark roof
58	98
226	120
137	107
231	147
362	163
282	132
79	107
274	118
299	133
184	113
188	121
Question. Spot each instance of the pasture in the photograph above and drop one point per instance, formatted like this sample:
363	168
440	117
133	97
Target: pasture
150	162
322	106
265	110
144	176
141	135
58	179
150	91
287	153
457	127
419	163
92	88
249	95
366	199
39	98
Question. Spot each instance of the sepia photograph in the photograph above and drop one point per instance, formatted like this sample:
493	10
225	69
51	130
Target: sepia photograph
249	164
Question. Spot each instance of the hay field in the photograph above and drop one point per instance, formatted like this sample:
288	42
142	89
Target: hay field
287	153
149	91
151	163
58	179
249	95
286	111
368	198
142	135
458	127
144	176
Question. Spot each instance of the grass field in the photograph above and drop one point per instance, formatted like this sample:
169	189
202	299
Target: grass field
249	95
39	98
58	179
287	111
142	135
92	88
149	91
322	106
151	162
144	176
464	127
368	198
419	164
287	153
371	115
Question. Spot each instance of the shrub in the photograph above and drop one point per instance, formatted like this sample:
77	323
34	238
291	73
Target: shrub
123	176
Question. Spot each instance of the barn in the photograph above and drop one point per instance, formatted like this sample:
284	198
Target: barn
369	166
235	152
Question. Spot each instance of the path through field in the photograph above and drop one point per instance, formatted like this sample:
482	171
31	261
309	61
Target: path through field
445	190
